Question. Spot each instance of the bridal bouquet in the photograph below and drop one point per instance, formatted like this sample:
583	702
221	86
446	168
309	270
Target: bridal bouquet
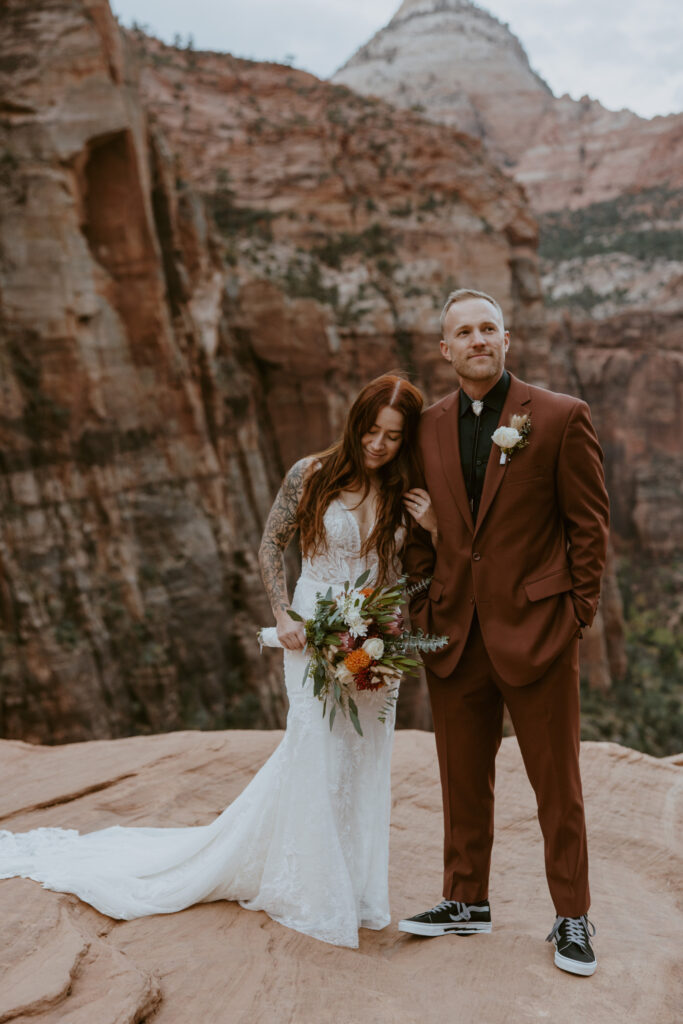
356	641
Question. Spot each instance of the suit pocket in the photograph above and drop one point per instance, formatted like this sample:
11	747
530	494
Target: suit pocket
435	590
556	582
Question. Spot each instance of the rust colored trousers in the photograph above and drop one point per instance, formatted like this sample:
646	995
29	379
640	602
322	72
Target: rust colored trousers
467	709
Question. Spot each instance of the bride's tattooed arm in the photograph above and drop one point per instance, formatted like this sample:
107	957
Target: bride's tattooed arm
279	530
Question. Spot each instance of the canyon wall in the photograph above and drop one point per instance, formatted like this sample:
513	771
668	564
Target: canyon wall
459	65
607	189
129	590
201	259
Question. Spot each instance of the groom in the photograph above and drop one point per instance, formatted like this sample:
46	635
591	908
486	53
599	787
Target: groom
520	541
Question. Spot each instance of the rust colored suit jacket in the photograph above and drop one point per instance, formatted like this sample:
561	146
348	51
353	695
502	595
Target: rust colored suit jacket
532	563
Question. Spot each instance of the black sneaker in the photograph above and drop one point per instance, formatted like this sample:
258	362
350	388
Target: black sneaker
450	916
573	950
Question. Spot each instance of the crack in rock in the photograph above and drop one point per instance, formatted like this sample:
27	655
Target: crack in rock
69	797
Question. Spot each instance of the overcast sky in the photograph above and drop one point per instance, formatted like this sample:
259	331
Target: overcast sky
626	54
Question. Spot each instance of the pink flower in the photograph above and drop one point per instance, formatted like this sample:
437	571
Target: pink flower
346	642
394	627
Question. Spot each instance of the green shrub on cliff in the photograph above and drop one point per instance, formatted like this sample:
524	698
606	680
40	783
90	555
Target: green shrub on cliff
645	709
635	223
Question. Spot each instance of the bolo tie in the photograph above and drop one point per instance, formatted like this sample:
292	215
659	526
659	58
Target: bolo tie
477	407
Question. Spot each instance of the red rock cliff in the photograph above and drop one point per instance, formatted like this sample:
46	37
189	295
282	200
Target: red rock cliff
159	375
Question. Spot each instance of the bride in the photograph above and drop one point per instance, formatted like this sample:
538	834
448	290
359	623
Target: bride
308	839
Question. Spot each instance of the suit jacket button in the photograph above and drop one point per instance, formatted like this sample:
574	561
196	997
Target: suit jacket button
476	556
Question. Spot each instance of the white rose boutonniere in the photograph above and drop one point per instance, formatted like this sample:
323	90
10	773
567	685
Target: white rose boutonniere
513	438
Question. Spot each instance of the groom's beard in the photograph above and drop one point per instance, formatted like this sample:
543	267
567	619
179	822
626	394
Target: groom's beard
481	367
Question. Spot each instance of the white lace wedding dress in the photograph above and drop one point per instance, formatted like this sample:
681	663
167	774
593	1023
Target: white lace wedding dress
307	840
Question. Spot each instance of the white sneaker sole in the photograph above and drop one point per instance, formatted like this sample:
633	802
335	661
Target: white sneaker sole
574	966
457	928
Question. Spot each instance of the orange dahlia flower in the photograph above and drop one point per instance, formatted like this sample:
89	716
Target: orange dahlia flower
356	661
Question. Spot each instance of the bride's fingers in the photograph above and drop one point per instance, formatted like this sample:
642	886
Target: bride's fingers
417	498
415	506
293	640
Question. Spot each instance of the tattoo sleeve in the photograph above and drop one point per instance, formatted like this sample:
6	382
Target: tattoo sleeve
279	530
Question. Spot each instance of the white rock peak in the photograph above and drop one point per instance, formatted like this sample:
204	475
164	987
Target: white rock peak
457	64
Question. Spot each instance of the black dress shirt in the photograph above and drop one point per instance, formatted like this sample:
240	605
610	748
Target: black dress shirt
475	437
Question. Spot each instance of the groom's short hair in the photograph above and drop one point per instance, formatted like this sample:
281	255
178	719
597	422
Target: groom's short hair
459	295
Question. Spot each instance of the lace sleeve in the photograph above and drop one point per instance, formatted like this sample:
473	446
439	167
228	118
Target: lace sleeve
279	529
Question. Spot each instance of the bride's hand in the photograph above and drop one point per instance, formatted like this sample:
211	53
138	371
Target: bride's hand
290	633
419	504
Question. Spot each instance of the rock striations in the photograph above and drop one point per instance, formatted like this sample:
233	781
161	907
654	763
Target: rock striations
201	259
128	583
607	187
454	61
216	963
461	66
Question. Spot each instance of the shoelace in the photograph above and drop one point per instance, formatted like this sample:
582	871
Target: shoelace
578	930
463	913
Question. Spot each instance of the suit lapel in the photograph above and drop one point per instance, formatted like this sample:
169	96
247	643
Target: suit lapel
517	400
448	434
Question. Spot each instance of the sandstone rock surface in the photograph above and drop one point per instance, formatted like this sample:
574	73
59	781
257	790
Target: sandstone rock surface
462	66
333	197
607	188
201	260
123	533
60	961
606	185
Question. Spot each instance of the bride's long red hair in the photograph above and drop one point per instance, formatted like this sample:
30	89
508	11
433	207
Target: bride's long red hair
343	467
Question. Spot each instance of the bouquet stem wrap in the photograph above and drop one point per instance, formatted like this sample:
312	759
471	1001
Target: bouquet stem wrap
267	637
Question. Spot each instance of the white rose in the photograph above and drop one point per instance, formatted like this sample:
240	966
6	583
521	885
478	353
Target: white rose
374	647
506	437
